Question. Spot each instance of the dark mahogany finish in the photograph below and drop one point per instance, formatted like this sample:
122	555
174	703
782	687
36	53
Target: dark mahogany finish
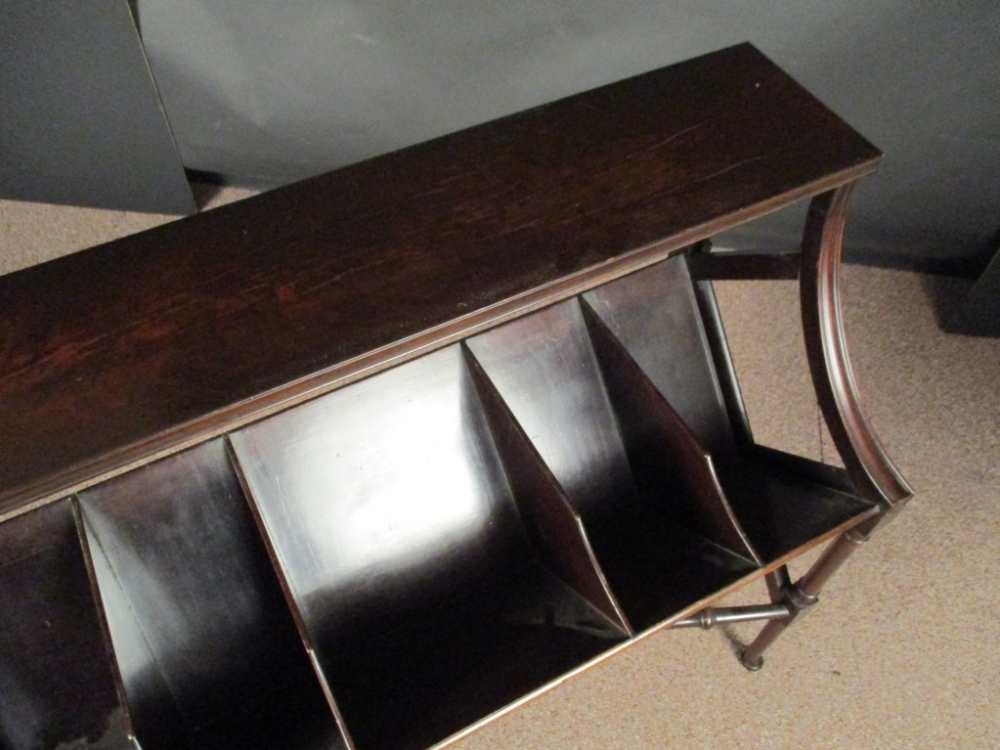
57	687
548	515
111	354
208	653
646	530
416	584
436	429
669	464
782	501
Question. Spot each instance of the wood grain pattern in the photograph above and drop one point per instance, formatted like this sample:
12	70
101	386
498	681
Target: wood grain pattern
115	353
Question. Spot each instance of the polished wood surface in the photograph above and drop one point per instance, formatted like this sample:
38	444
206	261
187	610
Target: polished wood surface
873	472
57	687
785	511
115	353
462	422
654	315
783	502
207	650
555	526
656	542
417	585
673	471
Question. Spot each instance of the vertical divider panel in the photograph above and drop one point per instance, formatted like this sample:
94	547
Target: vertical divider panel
293	606
208	653
671	329
545	369
715	334
670	465
157	723
418	584
556	528
654	313
57	681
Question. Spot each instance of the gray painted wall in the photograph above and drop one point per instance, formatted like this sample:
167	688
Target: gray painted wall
270	92
80	119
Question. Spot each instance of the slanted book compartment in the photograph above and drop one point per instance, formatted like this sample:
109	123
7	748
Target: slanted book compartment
644	488
784	502
57	686
207	649
426	599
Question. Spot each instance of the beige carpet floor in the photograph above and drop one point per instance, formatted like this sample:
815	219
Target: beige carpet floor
903	650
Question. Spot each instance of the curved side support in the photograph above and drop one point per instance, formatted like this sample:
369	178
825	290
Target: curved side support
870	468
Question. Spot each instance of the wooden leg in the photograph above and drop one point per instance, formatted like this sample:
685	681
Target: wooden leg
870	468
872	472
803	595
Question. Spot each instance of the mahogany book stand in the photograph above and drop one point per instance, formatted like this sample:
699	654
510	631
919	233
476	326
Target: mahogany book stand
363	461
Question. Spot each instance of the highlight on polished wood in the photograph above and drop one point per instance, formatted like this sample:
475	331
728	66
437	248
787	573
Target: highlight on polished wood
363	462
783	502
139	346
208	653
417	584
645	533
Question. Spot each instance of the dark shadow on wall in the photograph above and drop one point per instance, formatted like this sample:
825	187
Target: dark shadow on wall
978	314
945	294
204	186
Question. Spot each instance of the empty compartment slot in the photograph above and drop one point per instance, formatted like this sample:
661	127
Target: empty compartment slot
548	515
787	502
390	514
663	546
783	502
57	684
207	647
653	313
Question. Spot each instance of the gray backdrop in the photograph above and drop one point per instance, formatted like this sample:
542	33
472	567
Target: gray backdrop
270	92
80	120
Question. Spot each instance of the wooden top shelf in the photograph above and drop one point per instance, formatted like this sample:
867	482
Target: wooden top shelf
125	351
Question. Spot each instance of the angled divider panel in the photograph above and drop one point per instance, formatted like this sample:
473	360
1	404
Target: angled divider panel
545	369
722	361
156	718
671	468
782	502
554	525
416	583
654	314
57	682
206	646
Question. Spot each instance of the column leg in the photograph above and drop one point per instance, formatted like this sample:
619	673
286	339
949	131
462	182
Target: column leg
868	465
803	595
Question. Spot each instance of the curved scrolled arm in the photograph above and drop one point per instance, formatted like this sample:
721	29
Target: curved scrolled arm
868	464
